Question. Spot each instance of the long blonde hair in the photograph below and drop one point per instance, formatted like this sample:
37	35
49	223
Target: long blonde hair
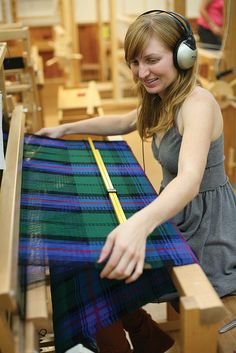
156	114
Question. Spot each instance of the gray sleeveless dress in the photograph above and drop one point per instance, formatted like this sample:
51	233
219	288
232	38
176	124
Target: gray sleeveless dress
208	222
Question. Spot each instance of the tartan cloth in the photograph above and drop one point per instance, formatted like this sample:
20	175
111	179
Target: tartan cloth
65	217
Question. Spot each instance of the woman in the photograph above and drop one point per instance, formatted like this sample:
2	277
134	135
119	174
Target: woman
210	23
186	125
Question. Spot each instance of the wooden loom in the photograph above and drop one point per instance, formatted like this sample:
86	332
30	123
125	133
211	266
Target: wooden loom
23	81
200	308
16	334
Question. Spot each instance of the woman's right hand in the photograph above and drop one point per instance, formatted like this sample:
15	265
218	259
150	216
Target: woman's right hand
53	132
216	29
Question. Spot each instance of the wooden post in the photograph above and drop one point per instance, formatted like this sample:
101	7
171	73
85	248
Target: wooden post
102	64
201	310
196	336
114	49
7	344
68	22
180	6
13	10
229	50
3	48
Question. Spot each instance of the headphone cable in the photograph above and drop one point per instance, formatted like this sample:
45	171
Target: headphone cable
143	157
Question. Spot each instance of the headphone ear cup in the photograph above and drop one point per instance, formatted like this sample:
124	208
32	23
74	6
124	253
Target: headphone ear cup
184	54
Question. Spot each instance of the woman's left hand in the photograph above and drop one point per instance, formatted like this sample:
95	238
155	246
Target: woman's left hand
125	246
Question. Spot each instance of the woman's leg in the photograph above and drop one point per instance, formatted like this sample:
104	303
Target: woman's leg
112	339
145	335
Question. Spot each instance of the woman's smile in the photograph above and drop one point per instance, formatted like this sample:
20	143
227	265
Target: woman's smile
150	82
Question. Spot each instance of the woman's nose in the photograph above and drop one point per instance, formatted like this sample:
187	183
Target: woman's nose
143	70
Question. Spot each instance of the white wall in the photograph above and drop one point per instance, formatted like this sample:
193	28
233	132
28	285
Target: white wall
192	8
37	12
85	11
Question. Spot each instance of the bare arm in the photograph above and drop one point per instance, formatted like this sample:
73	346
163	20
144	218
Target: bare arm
102	125
198	132
127	242
204	13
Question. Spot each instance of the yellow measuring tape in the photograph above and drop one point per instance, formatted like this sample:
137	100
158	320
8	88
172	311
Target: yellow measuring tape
110	189
108	184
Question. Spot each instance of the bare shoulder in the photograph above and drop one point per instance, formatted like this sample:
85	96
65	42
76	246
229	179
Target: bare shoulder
201	102
201	106
200	94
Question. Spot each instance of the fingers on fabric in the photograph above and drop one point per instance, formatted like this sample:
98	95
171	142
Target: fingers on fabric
44	132
112	263
107	248
122	270
54	132
122	264
137	272
40	132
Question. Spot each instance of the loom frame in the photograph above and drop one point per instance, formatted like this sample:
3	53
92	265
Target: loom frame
201	310
26	339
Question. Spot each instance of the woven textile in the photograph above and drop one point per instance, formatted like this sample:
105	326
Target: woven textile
66	215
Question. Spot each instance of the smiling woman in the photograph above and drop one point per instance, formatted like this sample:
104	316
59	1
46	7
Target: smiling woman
185	123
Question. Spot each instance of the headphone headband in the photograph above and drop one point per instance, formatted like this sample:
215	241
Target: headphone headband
184	24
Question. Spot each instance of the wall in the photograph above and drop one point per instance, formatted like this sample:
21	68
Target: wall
127	7
39	12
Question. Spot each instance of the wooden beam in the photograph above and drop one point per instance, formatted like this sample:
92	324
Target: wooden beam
68	20
3	49
180	6
229	50
230	30
201	310
7	341
13	33
114	49
196	336
10	212
191	282
102	60
31	338
37	307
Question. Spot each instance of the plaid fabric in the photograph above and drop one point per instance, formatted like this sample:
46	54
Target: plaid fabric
66	215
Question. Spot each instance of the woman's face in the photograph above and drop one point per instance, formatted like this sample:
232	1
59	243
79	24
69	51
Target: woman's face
155	68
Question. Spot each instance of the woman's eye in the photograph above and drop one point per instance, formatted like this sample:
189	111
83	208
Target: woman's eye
152	61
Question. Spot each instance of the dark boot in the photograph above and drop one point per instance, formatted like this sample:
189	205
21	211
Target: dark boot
145	335
112	339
